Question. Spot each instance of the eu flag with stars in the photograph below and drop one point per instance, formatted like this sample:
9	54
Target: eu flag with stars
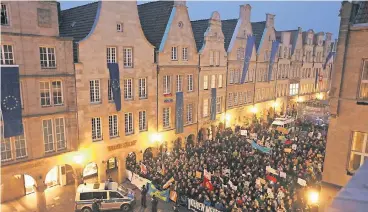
213	103
274	49
179	122
115	84
10	101
248	55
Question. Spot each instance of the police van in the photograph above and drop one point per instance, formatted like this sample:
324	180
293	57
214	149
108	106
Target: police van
286	123
110	197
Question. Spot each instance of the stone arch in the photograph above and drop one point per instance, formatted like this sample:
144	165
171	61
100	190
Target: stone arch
148	154
112	168
130	161
90	173
60	175
190	139
30	184
178	143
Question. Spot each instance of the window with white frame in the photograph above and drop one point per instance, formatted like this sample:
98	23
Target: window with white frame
113	126
142	83
7	55
294	88
358	150
96	129
128	57
212	59
47	57
45	94
128	89
190	82
205	82
167	84
217	58
60	133
363	90
185	53
20	146
110	94
220	81
166	117
57	92
48	135
94	91
236	99
213	81
142	121
179	83
119	27
128	123
4	14
205	107
219	104
111	54
6	150
189	114
231	76
174	53
230	100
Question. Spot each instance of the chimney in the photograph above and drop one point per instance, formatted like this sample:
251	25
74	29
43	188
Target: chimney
270	20
244	12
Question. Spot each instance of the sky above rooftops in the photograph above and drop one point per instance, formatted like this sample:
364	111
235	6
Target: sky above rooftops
316	15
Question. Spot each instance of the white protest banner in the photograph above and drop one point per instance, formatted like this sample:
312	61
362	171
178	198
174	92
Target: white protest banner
283	174
129	175
139	181
200	207
302	182
271	170
243	132
293	146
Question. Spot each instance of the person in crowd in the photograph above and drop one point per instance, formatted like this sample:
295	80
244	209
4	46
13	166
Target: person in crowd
143	196
95	206
154	203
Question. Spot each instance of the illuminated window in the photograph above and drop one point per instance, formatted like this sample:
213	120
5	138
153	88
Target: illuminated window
359	150
363	90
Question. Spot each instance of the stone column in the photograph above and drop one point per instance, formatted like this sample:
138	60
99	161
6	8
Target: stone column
121	169
102	172
40	195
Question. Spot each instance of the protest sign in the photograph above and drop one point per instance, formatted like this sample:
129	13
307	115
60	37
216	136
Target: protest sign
173	196
198	174
168	183
283	174
163	195
287	150
293	146
271	170
207	174
243	132
261	148
139	181
200	207
129	175
302	182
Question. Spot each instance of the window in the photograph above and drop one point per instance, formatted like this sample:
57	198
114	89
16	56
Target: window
219	104
7	56
113	126
6	152
231	76
128	89
213	81
240	53
185	53
211	58
57	93
110	94
285	52
128	123
142	88
45	94
142	121
205	107
96	129
230	100
359	150
111	54
166	117
48	136
47	57
174	53
4	15
179	83
217	58
119	27
60	133
190	82
189	113
294	89
205	82
115	195
236	99
220	81
128	57
363	91
20	147
167	84
94	91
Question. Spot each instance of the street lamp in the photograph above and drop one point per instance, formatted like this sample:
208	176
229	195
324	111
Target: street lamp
313	197
253	110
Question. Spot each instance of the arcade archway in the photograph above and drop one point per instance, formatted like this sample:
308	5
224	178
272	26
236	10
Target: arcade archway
29	184
148	154
178	144
190	139
112	169
131	161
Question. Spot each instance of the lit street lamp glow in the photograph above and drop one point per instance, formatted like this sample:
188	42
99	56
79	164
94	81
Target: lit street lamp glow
313	197
78	159
253	110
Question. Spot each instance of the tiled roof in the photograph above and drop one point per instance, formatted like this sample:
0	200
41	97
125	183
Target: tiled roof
258	28
199	27
362	14
228	27
154	17
77	22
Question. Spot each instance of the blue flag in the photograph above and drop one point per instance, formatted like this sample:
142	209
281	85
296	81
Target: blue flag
275	47
328	59
316	79
213	104
11	102
179	125
115	84
248	55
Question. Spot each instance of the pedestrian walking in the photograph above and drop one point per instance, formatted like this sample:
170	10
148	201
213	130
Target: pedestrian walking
95	206
143	196
154	203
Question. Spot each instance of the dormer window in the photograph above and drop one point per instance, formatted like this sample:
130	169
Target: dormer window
119	27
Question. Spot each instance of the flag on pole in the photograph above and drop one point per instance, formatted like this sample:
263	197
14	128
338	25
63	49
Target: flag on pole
207	184
213	104
247	56
179	124
143	168
115	84
271	178
275	47
207	174
168	183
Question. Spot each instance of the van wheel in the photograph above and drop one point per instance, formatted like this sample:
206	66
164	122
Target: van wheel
125	208
87	210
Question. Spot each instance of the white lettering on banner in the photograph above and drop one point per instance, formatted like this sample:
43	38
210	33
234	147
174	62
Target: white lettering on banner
139	181
302	182
243	132
197	206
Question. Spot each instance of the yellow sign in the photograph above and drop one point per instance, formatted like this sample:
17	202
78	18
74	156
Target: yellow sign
198	174
120	146
287	150
282	130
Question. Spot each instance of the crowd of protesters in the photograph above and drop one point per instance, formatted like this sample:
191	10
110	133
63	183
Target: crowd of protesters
239	190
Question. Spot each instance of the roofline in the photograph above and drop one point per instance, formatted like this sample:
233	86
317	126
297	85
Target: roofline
260	43
233	37
167	30
94	23
79	6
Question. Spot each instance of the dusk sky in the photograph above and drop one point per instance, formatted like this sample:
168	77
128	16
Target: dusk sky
316	15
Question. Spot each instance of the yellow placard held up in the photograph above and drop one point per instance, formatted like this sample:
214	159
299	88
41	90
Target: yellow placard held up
198	174
287	150
282	130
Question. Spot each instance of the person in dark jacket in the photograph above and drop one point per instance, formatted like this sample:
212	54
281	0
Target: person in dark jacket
95	206
143	197
154	203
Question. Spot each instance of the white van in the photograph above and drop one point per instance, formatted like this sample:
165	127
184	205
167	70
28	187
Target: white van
116	197
286	123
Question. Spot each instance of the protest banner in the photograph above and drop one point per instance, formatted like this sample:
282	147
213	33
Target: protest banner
243	132
261	180
198	174
287	150
293	146
200	207
168	183
129	175
139	181
271	170
302	182
173	196
283	174
261	148
162	195
271	178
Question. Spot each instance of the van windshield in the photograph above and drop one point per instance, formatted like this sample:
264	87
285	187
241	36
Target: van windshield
123	190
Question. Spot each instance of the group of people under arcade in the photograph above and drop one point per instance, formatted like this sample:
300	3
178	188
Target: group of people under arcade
245	185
